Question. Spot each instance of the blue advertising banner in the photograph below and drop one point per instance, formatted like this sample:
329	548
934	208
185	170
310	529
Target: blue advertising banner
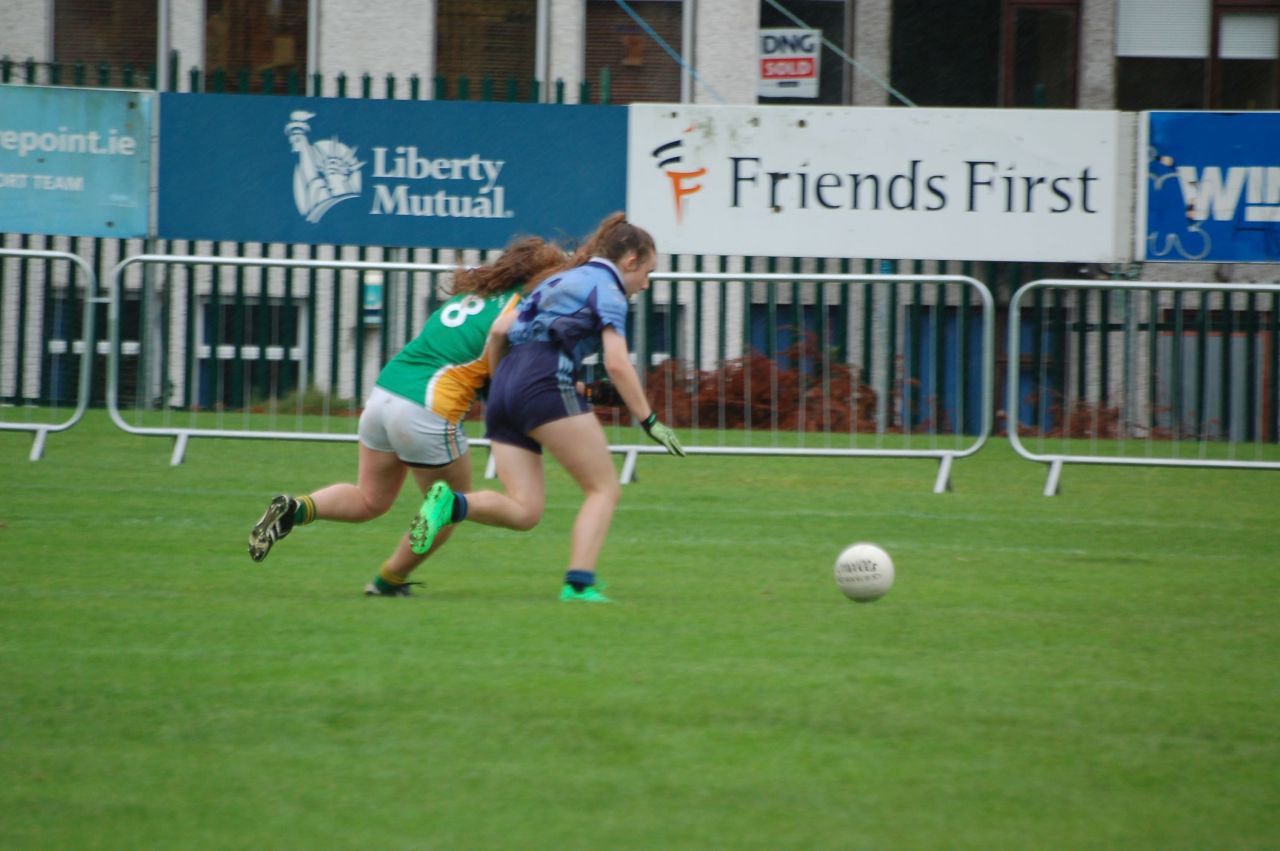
1212	188
74	162
444	174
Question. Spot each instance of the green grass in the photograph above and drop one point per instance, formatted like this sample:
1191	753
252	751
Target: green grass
1094	670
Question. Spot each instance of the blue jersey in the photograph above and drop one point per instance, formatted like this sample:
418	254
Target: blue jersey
556	326
570	310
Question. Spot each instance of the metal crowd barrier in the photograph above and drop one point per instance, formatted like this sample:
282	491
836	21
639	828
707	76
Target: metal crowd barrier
830	365
891	366
207	370
1144	373
33	374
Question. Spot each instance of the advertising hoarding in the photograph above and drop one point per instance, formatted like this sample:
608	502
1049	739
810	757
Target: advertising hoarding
961	184
74	162
385	172
1210	187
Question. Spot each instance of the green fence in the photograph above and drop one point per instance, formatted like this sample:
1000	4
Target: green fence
270	81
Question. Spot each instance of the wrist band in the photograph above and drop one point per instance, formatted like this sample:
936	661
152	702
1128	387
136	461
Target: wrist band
647	422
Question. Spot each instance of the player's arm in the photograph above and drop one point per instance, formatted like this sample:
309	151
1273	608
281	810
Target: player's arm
617	362
495	347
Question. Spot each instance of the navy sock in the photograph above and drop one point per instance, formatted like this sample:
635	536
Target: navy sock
580	579
459	508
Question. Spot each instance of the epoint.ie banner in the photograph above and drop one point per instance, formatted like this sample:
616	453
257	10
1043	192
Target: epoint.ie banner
1211	187
441	174
960	184
74	162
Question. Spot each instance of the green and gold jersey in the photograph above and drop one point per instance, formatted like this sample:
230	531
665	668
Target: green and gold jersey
444	366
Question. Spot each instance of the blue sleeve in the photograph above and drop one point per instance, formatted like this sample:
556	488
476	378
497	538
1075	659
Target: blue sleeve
612	306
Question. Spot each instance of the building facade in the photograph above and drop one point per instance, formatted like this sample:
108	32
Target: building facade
1129	55
1089	54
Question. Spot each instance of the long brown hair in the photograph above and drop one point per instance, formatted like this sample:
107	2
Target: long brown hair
614	239
525	261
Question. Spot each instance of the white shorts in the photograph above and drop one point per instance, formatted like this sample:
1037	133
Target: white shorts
416	435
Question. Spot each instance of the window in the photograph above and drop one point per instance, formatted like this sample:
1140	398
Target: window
1041	53
947	53
494	40
256	37
117	33
639	69
1159	83
1197	54
832	18
1244	72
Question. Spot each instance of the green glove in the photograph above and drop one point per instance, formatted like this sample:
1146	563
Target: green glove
662	434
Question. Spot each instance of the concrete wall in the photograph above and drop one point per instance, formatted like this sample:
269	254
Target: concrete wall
26	29
377	37
566	58
186	35
872	48
1097	55
726	41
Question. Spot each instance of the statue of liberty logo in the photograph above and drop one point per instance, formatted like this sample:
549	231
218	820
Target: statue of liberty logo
327	171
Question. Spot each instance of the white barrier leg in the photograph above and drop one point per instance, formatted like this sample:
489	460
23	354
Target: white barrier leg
943	483
491	466
1055	476
629	468
179	449
37	443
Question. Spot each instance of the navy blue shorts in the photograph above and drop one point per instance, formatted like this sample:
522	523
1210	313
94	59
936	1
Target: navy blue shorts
530	388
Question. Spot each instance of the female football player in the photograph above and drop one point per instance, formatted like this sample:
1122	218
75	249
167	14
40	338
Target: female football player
535	402
412	421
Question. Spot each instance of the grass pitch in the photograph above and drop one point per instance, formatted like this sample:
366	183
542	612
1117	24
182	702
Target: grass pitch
1094	670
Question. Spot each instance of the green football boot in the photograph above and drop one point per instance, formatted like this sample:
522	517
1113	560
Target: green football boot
435	513
372	590
589	594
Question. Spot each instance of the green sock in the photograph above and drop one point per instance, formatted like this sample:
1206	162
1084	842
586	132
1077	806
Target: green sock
386	581
306	511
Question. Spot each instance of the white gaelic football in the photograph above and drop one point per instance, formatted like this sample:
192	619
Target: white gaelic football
864	572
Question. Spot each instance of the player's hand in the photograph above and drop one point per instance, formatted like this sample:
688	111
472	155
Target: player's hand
603	393
662	434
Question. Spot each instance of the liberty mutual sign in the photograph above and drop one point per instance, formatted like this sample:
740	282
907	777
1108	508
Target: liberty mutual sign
378	172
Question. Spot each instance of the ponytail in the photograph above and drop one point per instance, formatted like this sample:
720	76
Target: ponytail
526	261
614	239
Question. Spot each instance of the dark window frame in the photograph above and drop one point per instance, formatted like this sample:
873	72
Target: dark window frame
1008	39
1213	79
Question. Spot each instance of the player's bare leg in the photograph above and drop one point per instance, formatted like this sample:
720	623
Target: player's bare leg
395	571
523	480
579	444
519	508
380	477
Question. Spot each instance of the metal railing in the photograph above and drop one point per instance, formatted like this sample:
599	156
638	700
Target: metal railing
188	367
802	364
1144	374
823	365
45	347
